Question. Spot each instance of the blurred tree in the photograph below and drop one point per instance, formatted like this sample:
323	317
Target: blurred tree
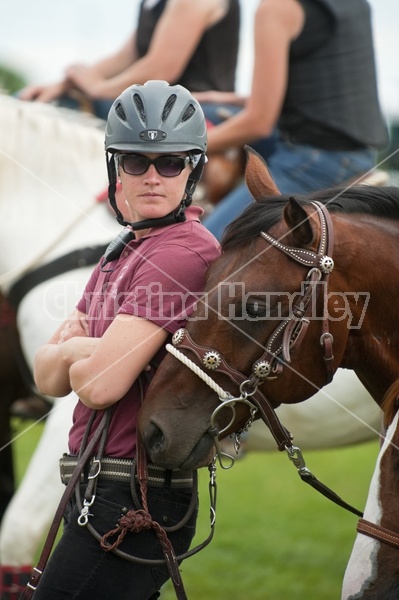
10	81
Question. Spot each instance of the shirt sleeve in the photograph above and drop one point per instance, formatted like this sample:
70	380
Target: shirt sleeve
83	304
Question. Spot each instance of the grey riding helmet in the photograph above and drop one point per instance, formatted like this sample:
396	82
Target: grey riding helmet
160	118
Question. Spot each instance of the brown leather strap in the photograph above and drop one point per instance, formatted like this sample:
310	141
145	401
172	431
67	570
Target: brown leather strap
51	536
267	412
268	415
378	533
141	520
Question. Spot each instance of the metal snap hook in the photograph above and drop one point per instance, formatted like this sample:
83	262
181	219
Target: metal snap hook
83	518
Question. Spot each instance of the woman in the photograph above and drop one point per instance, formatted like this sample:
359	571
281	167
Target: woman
313	87
107	352
194	44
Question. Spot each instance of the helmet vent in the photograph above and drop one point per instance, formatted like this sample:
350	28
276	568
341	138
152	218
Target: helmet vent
189	112
120	111
140	106
168	107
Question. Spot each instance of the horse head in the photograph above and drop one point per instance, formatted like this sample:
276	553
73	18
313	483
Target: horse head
264	296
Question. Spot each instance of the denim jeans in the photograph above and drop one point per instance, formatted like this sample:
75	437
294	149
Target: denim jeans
212	111
296	169
80	570
100	107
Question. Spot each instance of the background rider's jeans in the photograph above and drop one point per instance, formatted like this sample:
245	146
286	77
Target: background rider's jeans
80	570
296	169
100	107
216	113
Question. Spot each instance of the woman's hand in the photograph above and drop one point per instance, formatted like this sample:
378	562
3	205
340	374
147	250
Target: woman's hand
87	80
44	93
76	326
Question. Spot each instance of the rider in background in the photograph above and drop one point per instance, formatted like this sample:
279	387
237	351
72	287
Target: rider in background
194	44
314	89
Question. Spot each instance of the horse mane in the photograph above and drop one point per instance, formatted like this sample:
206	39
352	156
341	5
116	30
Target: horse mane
361	199
390	403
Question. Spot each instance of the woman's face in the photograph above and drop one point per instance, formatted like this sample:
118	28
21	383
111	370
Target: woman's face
151	195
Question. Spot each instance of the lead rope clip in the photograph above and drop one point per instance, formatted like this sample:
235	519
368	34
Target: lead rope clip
83	518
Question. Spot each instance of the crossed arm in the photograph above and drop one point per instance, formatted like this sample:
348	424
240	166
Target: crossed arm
99	370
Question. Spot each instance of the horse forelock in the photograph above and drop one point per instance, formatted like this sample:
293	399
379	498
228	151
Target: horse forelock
264	214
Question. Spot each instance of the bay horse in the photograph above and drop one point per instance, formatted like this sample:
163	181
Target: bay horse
303	287
251	293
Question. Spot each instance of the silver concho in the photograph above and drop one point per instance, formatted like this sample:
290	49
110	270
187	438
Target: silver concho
212	360
262	369
178	336
326	264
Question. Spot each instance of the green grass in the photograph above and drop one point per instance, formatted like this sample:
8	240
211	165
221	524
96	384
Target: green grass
276	538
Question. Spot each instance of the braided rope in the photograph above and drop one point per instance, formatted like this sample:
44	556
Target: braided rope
223	395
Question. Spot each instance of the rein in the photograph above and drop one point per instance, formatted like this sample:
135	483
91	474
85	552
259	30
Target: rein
379	533
134	521
284	340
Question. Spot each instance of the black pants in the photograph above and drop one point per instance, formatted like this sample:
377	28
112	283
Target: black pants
80	570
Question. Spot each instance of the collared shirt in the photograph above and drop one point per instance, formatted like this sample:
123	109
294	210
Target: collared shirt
157	277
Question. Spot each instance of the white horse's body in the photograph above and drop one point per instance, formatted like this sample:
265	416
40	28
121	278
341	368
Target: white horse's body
29	513
339	414
51	169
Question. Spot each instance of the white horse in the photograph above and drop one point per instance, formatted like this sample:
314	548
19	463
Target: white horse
51	169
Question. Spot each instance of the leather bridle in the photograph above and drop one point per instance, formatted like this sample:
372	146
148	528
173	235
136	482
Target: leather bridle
283	341
286	337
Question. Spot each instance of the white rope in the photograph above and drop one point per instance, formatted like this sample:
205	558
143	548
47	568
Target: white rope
223	395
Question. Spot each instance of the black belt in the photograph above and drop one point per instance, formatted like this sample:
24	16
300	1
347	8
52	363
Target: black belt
120	470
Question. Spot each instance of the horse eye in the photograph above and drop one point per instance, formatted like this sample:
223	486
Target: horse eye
256	310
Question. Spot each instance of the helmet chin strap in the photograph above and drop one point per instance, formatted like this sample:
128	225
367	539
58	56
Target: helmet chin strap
178	215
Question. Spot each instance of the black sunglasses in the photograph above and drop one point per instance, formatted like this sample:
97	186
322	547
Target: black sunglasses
167	166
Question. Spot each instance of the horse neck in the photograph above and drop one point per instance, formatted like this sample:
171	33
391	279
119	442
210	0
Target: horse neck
52	168
367	261
362	569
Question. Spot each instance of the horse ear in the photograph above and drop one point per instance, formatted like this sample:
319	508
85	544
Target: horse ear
257	176
298	221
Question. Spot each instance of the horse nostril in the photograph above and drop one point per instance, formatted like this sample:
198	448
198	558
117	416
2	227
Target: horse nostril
154	439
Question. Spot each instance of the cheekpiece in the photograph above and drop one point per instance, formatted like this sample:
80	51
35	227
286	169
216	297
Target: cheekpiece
211	360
